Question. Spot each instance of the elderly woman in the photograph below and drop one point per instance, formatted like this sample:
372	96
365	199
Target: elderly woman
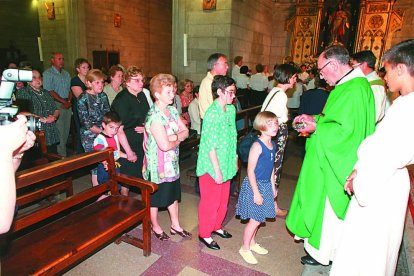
77	87
217	160
164	131
132	105
37	101
114	87
92	106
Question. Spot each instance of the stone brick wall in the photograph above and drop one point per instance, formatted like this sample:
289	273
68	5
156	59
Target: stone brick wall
54	33
144	37
252	29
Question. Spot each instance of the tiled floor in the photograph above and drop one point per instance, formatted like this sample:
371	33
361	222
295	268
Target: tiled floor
180	256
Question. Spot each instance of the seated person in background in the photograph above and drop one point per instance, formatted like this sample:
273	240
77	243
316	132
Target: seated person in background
303	75
194	112
242	80
313	101
108	138
242	84
310	81
258	84
34	100
186	96
294	100
116	75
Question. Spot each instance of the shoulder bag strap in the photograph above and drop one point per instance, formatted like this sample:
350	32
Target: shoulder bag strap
270	100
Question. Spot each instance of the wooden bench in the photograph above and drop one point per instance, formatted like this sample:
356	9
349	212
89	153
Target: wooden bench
47	189
52	240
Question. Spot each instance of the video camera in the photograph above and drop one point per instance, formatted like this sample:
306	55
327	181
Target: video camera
7	110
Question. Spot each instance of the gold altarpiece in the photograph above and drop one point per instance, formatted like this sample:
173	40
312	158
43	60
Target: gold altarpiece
375	21
377	25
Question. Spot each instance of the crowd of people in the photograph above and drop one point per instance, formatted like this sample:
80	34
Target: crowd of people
349	170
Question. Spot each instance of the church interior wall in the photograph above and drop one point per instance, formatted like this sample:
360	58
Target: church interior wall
151	32
19	29
407	30
251	33
143	38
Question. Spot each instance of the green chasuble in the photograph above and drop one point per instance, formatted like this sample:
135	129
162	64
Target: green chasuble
331	153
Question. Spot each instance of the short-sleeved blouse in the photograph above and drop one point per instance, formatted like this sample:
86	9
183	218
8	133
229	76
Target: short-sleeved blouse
160	166
42	104
219	133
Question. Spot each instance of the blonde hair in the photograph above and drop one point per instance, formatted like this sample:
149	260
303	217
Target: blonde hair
95	74
131	72
160	80
183	83
260	122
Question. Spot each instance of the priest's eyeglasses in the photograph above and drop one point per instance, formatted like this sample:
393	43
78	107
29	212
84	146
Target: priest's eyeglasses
323	67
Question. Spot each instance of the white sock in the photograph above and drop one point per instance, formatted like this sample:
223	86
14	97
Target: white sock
208	240
220	231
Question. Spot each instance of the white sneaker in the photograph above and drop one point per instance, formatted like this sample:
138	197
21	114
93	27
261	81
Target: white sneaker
259	249
248	256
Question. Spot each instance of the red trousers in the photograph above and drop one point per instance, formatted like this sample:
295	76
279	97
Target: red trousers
213	205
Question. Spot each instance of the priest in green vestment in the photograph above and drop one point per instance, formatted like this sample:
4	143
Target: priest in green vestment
320	203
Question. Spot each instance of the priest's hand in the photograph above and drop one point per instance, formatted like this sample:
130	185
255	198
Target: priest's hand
349	187
308	120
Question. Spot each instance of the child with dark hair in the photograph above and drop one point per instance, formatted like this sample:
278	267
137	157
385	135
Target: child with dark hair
108	138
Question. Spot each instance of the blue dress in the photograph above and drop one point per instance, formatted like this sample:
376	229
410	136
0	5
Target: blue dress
246	208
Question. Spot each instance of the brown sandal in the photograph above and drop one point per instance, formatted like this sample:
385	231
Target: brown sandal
184	233
162	237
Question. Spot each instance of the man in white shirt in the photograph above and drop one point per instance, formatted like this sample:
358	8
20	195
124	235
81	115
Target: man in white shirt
235	71
366	61
258	84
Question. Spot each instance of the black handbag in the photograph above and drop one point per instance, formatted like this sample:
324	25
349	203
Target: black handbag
245	145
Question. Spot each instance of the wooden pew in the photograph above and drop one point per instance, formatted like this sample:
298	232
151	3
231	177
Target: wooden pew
45	189
52	240
247	115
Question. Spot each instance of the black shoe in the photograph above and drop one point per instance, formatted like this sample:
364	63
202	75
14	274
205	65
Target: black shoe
308	260
212	245
225	235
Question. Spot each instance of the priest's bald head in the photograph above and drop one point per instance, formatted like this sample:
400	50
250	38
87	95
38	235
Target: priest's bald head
333	64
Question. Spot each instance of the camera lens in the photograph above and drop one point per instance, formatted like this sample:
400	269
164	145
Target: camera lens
33	123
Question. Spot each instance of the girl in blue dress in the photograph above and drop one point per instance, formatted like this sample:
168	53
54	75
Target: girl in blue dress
257	193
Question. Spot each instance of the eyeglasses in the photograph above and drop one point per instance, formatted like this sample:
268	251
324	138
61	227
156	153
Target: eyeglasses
320	69
232	92
222	63
136	80
356	65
